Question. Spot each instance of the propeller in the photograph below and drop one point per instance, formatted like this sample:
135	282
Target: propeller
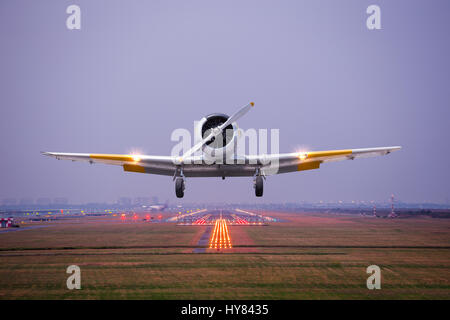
218	130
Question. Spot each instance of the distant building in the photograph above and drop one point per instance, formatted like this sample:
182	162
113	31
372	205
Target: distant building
60	201
124	202
43	201
26	201
9	202
155	200
141	201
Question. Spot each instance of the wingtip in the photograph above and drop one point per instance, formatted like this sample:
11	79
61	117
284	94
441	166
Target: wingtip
45	153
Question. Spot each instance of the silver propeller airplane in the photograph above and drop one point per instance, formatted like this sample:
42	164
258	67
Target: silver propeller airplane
218	157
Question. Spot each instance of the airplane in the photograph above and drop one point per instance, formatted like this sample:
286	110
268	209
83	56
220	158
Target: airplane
215	156
158	207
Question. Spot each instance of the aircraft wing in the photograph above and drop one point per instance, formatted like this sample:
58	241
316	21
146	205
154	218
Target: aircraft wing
167	165
133	163
299	161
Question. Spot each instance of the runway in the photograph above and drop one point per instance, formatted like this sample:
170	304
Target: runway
217	235
203	241
5	230
220	238
232	217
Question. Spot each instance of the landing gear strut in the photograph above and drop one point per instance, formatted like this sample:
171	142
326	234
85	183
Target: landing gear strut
179	187
259	186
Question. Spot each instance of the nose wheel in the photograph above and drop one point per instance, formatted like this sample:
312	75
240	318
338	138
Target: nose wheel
179	187
259	186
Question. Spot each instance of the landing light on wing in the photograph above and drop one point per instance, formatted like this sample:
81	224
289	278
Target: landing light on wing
135	154
302	155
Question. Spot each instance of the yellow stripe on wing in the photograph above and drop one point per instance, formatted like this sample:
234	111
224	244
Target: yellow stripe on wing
133	168
319	154
116	157
308	165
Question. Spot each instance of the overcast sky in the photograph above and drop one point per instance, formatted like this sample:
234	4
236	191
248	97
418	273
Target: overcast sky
137	70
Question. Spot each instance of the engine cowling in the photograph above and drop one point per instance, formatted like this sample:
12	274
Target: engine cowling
222	146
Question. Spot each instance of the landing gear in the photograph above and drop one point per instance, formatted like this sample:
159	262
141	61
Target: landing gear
179	187
178	177
259	186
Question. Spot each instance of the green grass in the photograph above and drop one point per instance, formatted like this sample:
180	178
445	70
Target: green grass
134	270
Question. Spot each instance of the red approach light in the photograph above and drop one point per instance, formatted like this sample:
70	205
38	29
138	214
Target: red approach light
62	211
122	216
160	217
147	217
135	217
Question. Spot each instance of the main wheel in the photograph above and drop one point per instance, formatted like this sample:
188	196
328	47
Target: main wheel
179	187
259	186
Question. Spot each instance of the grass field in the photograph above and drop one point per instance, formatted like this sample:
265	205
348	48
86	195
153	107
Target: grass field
311	256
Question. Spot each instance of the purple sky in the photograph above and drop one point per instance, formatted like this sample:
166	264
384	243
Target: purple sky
139	69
